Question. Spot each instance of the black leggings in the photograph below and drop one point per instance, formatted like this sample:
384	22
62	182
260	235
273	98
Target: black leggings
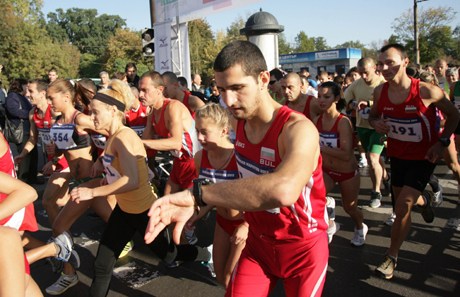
119	231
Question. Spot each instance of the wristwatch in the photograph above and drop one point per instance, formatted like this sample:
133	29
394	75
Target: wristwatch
197	183
445	141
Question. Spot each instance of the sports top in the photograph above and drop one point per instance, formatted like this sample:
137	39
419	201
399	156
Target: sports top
24	219
136	119
186	97
329	138
136	201
218	175
306	110
414	127
304	219
190	144
66	137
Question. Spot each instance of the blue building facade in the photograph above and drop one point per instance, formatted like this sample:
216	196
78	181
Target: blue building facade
340	60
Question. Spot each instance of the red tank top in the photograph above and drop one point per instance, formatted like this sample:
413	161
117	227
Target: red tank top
304	219
306	109
413	126
329	138
190	144
137	119
24	219
218	175
187	94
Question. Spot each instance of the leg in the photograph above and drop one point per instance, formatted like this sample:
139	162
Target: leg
29	242
232	260
12	280
349	190
56	192
116	234
47	250
450	156
104	206
32	289
221	252
376	171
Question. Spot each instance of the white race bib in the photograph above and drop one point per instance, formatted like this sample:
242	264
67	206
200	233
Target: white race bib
408	130
328	139
62	136
99	140
110	172
44	134
138	129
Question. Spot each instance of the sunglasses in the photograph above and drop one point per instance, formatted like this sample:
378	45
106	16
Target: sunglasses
272	82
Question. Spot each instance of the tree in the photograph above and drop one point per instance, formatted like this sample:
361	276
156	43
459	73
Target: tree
303	43
200	38
83	28
124	47
320	44
284	47
435	34
365	52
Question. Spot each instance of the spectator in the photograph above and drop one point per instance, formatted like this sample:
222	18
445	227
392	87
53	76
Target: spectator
131	74
104	81
17	109
196	83
121	76
53	74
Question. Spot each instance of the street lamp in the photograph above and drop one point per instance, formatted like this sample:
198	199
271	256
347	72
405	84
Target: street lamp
416	47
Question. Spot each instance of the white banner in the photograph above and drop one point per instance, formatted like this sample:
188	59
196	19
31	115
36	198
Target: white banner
189	10
327	55
163	46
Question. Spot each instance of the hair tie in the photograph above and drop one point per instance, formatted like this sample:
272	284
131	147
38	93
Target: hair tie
110	101
72	82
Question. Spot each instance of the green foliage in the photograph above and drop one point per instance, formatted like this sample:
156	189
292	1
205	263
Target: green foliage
200	39
303	43
284	47
436	37
90	66
83	28
320	44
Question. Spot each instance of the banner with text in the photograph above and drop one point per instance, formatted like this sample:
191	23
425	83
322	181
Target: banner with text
162	46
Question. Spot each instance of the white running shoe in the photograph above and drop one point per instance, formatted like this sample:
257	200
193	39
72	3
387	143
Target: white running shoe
360	236
362	163
437	199
210	263
64	282
391	219
65	243
332	230
330	206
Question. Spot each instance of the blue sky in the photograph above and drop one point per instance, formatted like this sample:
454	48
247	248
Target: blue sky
336	21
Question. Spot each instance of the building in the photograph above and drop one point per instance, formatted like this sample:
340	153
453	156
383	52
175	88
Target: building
339	60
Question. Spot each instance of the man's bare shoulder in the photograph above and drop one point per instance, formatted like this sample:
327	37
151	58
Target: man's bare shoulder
430	92
299	120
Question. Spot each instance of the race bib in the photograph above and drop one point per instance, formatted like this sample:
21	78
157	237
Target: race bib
408	130
62	136
365	112
138	129
328	139
110	172
99	140
44	134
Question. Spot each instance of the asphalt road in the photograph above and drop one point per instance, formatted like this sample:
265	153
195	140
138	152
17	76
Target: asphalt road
428	263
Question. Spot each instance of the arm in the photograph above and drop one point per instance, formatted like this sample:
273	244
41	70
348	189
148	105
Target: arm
19	195
33	138
195	102
345	152
374	120
13	106
83	122
174	123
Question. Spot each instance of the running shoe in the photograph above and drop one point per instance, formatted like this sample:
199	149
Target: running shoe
64	282
332	230
427	210
391	219
57	266
330	206
375	199
128	247
362	163
360	236
437	199
64	242
173	264
191	237
210	263
74	260
386	268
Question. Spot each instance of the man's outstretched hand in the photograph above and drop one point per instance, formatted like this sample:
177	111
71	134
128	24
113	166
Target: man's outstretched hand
177	207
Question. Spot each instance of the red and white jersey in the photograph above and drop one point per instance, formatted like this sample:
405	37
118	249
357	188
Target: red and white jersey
186	97
329	138
136	119
43	127
307	217
230	172
414	127
190	144
24	219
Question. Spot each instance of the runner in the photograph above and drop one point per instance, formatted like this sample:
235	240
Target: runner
405	109
281	189
70	137
339	164
276	91
216	162
295	100
40	117
128	179
362	91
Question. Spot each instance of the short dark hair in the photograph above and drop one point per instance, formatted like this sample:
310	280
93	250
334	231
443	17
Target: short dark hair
172	78
42	84
396	46
16	84
278	74
352	69
53	70
118	75
243	53
130	65
182	81
336	91
88	84
156	78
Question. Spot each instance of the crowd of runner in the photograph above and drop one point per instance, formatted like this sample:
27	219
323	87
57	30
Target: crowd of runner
263	148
